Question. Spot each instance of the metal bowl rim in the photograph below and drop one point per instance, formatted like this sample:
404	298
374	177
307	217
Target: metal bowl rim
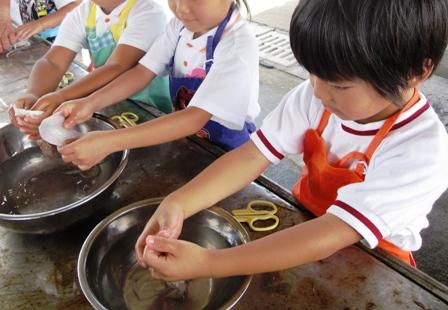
86	246
98	191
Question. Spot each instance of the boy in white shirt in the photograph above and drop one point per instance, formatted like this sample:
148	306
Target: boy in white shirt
375	151
117	34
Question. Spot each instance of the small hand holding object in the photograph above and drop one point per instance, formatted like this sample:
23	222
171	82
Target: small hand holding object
52	130
174	260
45	105
23	103
87	151
76	111
25	31
166	222
7	32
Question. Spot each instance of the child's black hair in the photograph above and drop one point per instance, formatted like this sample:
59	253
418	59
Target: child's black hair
383	42
246	4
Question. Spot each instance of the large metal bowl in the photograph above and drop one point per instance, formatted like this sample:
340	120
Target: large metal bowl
111	279
41	194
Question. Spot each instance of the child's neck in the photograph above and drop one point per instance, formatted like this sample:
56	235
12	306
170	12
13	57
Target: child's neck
390	109
111	5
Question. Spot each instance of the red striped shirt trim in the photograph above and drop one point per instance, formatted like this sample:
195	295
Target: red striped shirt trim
268	145
361	218
396	126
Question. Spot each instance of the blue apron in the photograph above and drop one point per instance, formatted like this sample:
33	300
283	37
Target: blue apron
182	89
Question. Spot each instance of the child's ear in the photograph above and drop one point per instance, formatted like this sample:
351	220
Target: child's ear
428	68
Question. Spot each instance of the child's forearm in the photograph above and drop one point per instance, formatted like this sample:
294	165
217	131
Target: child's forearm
160	130
227	175
123	58
5	14
46	74
126	85
307	242
55	19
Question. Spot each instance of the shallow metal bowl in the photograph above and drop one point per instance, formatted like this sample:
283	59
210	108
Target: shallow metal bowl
41	194
111	279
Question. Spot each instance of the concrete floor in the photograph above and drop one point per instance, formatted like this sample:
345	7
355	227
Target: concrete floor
275	83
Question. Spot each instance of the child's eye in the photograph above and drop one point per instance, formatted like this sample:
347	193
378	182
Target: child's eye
339	87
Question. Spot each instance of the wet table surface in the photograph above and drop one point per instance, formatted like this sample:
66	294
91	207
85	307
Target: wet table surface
39	271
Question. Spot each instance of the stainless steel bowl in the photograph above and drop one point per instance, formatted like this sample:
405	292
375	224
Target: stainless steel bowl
111	279
42	195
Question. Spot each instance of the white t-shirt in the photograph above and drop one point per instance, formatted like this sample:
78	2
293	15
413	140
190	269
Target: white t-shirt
230	90
406	175
29	10
146	21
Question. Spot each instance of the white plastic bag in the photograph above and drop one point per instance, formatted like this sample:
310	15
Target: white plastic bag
24	112
52	130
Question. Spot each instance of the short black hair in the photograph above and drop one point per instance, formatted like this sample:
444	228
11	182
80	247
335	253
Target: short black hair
383	42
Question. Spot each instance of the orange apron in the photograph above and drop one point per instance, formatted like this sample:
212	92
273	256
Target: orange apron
317	189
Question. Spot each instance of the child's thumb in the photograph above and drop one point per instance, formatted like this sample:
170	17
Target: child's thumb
161	245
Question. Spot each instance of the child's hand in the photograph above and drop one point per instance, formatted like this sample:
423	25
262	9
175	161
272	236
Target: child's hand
30	125
7	32
87	151
29	29
76	111
24	102
166	222
180	260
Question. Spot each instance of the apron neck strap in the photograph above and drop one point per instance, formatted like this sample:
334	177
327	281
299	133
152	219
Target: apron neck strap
117	28
388	124
212	41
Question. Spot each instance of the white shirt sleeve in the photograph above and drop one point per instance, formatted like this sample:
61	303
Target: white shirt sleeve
231	85
403	180
282	130
159	55
61	3
71	34
146	22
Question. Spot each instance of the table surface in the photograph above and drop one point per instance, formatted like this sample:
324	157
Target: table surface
39	271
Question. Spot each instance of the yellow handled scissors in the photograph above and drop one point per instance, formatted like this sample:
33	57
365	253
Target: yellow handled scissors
126	119
251	215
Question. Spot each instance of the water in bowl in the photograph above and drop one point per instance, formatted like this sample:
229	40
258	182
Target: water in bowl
142	292
33	183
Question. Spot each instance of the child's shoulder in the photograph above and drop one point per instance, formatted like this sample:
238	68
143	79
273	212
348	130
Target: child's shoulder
302	98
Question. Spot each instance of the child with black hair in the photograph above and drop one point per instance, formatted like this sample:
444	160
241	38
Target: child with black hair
375	151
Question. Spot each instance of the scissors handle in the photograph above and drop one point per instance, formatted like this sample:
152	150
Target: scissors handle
251	215
251	222
126	119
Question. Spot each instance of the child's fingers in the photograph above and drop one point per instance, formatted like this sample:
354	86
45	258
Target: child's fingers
73	119
156	275
140	246
162	245
33	121
67	152
84	167
27	125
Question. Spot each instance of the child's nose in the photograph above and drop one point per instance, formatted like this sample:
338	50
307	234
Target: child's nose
181	7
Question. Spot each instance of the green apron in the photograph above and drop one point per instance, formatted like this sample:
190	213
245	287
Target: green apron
101	47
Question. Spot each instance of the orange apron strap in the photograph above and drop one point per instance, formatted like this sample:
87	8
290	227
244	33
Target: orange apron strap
388	126
323	122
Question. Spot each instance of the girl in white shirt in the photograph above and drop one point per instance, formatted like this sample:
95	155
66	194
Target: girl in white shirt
211	56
